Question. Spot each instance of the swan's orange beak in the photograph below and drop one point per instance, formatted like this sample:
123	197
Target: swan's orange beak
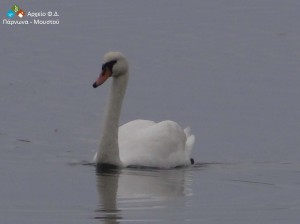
104	75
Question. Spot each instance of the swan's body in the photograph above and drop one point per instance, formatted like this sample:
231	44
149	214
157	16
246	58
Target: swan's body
139	142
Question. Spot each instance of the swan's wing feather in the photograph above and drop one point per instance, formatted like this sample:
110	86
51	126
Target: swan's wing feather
190	140
153	144
133	126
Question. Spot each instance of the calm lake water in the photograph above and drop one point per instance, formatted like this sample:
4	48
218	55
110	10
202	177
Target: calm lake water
230	70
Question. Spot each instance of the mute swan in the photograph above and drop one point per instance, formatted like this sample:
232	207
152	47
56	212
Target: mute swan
140	142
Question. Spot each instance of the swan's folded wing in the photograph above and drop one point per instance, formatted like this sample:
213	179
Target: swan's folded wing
134	126
152	144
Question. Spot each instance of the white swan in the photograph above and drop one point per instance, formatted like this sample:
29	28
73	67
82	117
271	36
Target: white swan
139	142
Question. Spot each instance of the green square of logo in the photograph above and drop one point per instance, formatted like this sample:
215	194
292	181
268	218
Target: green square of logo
15	8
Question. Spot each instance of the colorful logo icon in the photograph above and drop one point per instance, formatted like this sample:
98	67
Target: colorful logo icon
15	10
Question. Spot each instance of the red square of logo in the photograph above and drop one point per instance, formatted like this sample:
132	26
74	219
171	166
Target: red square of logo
21	13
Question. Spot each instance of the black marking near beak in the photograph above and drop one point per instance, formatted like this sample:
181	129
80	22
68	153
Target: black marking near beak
109	65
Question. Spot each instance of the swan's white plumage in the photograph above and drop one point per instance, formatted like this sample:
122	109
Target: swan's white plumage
146	143
140	142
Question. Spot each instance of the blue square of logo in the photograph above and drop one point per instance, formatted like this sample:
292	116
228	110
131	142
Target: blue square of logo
10	14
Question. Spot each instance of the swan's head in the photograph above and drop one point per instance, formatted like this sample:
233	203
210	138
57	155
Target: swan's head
115	65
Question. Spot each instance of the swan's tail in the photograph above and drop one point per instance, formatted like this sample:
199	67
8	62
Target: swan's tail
190	141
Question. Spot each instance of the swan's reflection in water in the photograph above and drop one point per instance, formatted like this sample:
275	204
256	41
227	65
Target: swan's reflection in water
130	194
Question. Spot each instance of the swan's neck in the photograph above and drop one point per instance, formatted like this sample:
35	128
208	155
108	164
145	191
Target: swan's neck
109	148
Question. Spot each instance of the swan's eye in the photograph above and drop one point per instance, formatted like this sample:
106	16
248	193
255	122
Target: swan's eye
109	65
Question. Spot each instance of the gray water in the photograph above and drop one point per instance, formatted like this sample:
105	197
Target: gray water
229	69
